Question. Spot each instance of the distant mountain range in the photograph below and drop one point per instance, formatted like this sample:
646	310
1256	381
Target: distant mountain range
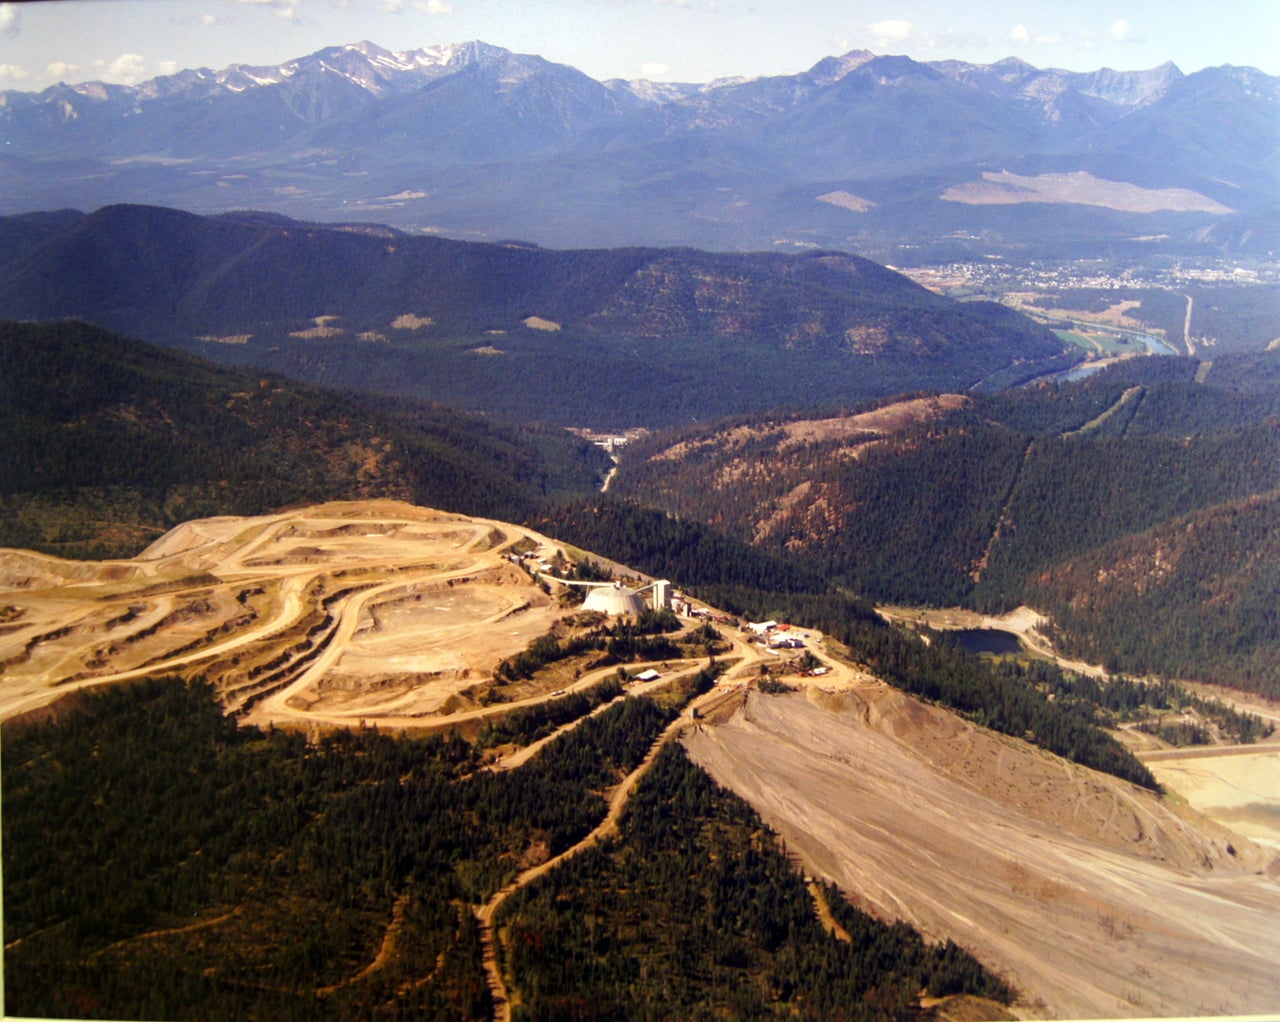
884	155
615	337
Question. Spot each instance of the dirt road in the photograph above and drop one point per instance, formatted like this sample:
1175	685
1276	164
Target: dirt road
607	827
332	614
1093	897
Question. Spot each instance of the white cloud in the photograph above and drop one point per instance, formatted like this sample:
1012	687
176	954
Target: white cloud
672	3
891	31
208	19
1022	35
12	73
126	69
169	67
8	19
391	6
286	9
434	6
60	69
1122	32
654	69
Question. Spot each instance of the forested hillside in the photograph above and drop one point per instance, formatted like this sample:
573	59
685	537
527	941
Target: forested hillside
761	585
597	938
222	871
1194	597
996	500
111	441
610	338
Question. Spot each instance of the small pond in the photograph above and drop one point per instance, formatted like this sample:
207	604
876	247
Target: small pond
987	640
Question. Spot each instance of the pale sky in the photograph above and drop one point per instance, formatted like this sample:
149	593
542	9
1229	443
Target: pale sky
128	41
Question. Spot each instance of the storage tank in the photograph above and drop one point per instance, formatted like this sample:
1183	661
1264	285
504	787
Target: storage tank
614	600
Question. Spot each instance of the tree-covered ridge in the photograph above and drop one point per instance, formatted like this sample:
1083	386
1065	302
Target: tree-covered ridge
110	441
1194	597
614	337
981	501
1075	495
996	695
161	862
725	571
695	912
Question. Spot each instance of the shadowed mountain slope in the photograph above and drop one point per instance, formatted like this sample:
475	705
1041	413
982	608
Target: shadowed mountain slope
111	441
1136	507
617	337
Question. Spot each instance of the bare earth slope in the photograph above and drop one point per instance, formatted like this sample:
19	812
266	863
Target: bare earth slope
373	611
1093	897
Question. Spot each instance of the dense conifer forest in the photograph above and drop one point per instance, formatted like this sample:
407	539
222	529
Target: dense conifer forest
111	441
227	872
641	335
233	872
1068	497
169	816
996	695
694	911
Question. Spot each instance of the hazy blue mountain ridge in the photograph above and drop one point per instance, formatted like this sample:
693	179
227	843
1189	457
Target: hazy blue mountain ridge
477	141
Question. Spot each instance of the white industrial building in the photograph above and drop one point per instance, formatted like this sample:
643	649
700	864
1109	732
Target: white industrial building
615	599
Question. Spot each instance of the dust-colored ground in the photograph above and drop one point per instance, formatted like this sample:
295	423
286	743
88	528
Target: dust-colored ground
847	200
1238	787
1093	897
376	611
1080	188
890	419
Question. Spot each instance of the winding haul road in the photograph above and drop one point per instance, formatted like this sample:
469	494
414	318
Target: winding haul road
294	590
730	690
296	617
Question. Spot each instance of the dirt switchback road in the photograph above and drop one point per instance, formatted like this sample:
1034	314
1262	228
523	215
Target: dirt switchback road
607	827
373	611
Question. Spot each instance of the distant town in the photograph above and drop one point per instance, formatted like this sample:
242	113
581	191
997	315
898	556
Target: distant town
997	276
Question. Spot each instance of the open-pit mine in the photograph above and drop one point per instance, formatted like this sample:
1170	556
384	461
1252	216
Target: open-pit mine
1092	896
378	611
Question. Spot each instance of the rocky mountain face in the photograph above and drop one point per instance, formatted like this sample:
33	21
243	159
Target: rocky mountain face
478	141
